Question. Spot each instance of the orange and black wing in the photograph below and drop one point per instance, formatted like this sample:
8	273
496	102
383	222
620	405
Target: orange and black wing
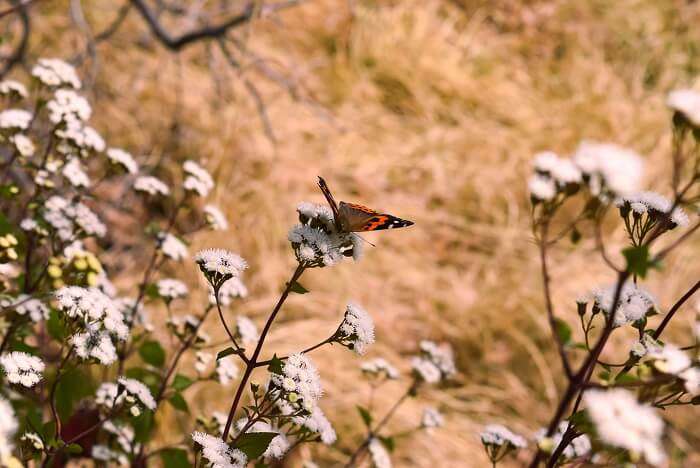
358	218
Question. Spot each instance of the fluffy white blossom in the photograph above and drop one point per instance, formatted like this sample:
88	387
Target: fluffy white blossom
124	435
13	88
106	395
24	145
22	368
356	330
644	346
220	261
215	218
151	185
95	343
202	360
542	188
171	246
138	391
55	73
378	454
68	106
278	446
655	205
246	329
609	167
75	174
621	421
68	217
110	457
76	136
26	305
122	158
498	435
379	366
230	290
16	119
435	362
633	304
218	453
691	380
579	447
95	309
226	370
33	440
687	103
299	382
198	179
8	428
432	418
170	289
318	423
669	359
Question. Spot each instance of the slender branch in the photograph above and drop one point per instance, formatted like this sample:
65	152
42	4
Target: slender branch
114	25
18	53
254	359
307	350
240	350
54	387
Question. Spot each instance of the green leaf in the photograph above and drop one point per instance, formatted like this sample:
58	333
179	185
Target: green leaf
73	449
563	331
175	458
638	260
181	382
388	443
254	444
73	387
227	352
152	353
55	326
179	402
152	291
143	426
275	365
365	415
298	288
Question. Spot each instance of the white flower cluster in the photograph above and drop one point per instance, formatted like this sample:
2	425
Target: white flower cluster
76	136
215	218
435	363
644	346
56	73
198	179
75	174
219	265
24	145
8	428
71	219
686	103
606	169
230	290
22	368
278	446
108	456
119	157
218	453
102	318
634	303
26	305
356	331
655	206
316	242
246	329
68	107
579	447
299	382
432	418
498	435
318	423
13	89
33	440
151	186
124	435
226	370
378	454
15	119
171	246
621	421
202	360
170	289
136	394
381	368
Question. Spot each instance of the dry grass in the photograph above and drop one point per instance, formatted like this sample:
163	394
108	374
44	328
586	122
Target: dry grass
436	108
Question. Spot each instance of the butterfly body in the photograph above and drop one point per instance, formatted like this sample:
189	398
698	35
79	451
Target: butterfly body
351	217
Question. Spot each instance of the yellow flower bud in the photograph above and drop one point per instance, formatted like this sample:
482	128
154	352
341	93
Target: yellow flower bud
80	264
58	283
54	271
14	190
4	243
11	254
546	444
55	261
11	239
92	279
93	263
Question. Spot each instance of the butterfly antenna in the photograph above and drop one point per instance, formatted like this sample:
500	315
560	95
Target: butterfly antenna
365	240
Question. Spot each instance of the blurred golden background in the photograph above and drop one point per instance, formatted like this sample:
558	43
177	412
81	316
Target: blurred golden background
431	110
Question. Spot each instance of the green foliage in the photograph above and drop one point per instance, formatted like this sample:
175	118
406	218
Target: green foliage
181	382
638	260
152	353
388	442
143	426
179	402
254	444
365	415
175	458
276	365
563	331
298	288
227	352
55	326
75	384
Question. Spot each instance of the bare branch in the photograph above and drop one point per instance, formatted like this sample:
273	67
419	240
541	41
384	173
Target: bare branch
114	25
17	55
15	7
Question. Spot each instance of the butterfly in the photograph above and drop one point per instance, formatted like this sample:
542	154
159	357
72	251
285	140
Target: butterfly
350	217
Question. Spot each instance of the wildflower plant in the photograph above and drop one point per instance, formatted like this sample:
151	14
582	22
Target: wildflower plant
84	370
609	413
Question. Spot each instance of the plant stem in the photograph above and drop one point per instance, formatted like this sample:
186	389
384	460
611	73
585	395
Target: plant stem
250	366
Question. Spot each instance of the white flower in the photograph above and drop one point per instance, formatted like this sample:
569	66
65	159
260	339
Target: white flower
139	391
542	188
215	218
278	446
8	428
106	395
125	436
151	185
378	454
687	103
56	72
15	119
655	205
318	423
122	158
23	144
645	345
75	135
608	166
425	369
356	330
95	309
579	447
68	106
75	174
171	246
691	380
109	456
33	440
94	343
299	377
622	422
561	171
219	265
13	88
226	370
230	290
219	454
22	368
497	435
379	366
246	329
170	289
440	356
432	418
198	180
633	304
67	217
26	305
669	359
202	361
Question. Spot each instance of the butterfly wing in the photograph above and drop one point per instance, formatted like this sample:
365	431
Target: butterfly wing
331	201
358	218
